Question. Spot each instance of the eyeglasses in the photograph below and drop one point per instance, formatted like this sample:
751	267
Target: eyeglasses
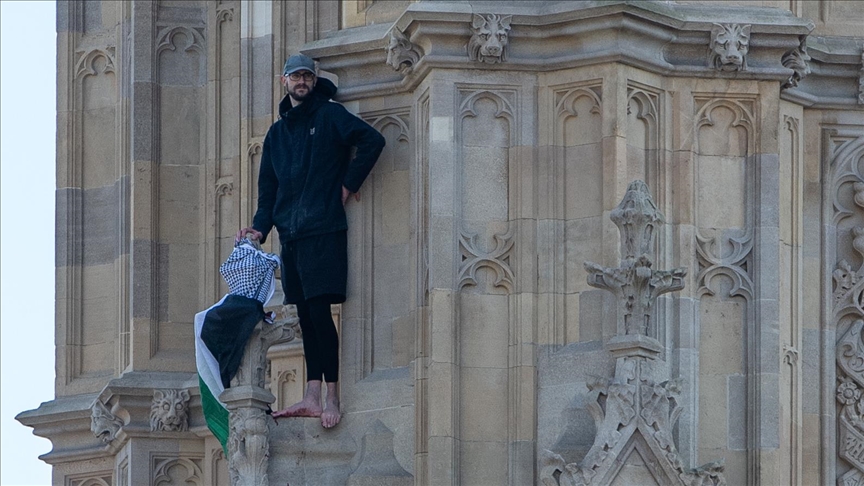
307	76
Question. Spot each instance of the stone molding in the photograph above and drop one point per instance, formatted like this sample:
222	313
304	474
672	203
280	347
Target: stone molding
68	421
635	416
656	36
835	68
728	252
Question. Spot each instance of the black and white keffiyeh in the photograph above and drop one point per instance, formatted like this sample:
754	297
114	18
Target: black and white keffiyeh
249	271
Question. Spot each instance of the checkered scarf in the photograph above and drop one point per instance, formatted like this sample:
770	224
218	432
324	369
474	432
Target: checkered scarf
249	271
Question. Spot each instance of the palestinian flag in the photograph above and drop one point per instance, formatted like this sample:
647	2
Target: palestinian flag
221	331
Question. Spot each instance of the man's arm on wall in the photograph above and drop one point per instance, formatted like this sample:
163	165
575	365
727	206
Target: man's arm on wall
357	133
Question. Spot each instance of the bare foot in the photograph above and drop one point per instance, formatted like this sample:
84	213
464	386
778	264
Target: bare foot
304	408
331	415
310	406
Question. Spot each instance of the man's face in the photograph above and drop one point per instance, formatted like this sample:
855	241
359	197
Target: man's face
299	84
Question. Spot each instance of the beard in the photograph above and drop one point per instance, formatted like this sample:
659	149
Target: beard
298	97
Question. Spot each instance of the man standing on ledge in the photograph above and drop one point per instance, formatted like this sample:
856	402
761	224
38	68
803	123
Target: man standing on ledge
306	177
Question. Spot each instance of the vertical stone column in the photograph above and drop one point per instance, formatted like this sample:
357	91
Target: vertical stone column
92	197
248	401
442	442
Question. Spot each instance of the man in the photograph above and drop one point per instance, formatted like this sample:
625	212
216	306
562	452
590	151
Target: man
307	175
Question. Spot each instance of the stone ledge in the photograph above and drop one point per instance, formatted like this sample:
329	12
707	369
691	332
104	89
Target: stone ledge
648	35
66	421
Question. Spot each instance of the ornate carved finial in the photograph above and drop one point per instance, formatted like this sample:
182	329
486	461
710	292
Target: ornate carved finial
169	410
490	38
637	218
632	407
635	284
103	423
402	55
798	61
727	50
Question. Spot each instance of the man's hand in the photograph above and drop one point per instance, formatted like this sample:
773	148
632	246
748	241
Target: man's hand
346	194
256	235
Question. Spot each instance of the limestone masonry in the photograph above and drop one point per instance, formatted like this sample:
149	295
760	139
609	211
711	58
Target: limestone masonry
608	242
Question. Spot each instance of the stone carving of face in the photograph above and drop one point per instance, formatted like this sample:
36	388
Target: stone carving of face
169	410
729	46
103	423
490	38
799	61
401	54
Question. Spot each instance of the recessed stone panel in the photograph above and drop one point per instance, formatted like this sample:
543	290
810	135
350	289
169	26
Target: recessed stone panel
392	208
485	183
721	349
484	322
582	181
179	204
180	126
721	191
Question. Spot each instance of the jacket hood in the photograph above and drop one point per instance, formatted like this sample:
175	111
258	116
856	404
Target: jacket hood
324	91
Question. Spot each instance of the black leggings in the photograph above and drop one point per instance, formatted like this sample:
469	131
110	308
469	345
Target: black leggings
320	341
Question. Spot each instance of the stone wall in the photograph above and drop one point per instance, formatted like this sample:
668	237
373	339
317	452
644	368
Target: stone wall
471	336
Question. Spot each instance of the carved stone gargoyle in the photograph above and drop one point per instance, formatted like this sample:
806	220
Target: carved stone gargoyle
104	424
634	415
402	55
799	62
248	401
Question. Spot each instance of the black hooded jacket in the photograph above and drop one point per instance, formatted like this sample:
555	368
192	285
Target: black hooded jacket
305	162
